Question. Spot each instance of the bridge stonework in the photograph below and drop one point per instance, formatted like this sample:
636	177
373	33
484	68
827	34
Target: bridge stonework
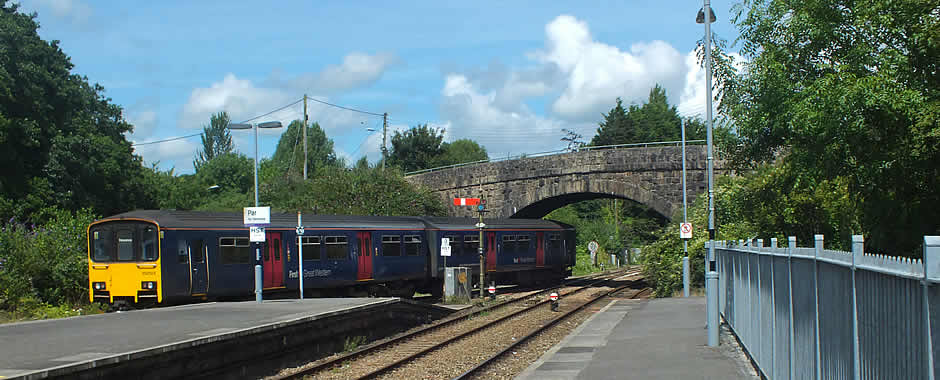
532	187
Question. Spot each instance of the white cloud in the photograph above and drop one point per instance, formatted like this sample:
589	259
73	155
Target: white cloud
597	73
357	70
72	10
692	100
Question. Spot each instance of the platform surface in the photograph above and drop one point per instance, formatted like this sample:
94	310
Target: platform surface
41	345
643	339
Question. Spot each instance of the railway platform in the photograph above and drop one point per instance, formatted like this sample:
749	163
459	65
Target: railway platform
206	340
643	339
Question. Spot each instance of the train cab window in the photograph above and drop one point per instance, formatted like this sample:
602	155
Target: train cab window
391	245
125	245
412	245
522	243
103	241
148	243
455	245
197	251
336	248
311	247
234	250
509	243
471	244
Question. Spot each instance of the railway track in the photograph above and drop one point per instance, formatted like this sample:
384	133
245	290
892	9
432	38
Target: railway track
384	358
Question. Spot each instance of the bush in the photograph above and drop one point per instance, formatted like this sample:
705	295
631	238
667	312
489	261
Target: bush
44	265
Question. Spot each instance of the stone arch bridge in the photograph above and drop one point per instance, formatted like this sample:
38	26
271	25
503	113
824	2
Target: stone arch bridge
531	187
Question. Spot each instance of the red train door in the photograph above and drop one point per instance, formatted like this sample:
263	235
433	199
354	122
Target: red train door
365	255
273	263
539	249
490	251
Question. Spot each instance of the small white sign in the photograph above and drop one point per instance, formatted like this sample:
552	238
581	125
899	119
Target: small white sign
592	246
256	234
300	230
445	250
480	225
257	215
685	230
445	242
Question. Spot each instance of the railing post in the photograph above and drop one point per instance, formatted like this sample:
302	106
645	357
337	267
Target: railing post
773	310
791	245
816	253
759	338
858	249
931	271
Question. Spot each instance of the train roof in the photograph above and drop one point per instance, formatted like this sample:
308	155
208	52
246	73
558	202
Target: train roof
211	219
446	223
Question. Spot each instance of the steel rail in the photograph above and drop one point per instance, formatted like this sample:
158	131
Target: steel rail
447	322
544	327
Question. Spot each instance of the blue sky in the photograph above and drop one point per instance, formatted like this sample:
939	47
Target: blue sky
509	76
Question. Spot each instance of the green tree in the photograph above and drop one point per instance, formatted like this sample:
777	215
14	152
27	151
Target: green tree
61	141
288	158
654	121
845	92
216	139
460	151
417	148
229	171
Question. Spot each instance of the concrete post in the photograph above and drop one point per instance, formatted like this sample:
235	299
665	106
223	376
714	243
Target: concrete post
685	277
711	282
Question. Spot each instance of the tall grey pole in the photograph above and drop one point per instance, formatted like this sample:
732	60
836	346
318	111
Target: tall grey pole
711	276
685	219
258	273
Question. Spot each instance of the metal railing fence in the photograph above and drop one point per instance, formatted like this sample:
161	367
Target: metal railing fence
813	313
559	151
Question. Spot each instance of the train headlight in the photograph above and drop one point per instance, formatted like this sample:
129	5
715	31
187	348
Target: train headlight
149	285
98	285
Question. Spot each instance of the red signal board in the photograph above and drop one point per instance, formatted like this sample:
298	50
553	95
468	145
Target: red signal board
466	201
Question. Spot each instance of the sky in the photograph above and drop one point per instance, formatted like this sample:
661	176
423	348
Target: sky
509	75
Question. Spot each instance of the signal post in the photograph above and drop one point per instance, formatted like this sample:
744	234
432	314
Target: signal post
479	203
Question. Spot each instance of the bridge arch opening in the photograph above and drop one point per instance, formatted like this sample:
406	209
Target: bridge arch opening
545	206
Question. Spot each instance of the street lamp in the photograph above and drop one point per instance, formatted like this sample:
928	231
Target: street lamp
268	124
711	274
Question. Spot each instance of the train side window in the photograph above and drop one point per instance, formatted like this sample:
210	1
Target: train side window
125	245
336	248
391	245
455	245
148	244
554	242
234	250
471	244
183	256
412	245
522	243
509	243
103	244
197	251
311	247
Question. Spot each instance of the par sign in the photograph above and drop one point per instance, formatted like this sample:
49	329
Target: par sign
257	215
685	230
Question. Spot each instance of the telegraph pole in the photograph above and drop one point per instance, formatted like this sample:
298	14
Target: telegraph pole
384	134
305	155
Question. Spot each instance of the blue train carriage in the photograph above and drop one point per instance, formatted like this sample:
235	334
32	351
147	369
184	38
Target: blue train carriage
518	251
167	256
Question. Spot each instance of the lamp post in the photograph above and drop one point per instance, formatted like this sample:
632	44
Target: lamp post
711	274
258	272
269	124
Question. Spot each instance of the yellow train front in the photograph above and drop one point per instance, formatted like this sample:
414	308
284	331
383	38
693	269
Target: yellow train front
124	262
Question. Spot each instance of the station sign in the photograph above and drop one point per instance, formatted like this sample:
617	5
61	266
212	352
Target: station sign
685	230
257	215
445	250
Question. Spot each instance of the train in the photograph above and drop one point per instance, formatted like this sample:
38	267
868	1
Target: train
160	257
